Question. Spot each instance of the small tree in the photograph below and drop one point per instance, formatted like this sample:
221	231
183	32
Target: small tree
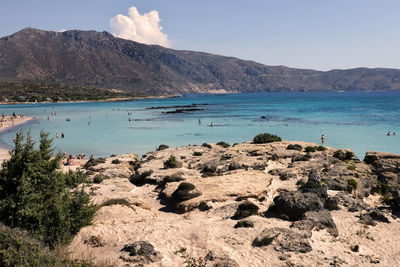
36	196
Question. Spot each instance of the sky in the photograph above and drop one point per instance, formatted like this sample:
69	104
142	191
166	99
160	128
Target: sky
314	34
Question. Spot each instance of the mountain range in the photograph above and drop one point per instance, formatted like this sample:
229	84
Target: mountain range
99	60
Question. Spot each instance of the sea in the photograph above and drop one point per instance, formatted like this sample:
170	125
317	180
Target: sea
356	120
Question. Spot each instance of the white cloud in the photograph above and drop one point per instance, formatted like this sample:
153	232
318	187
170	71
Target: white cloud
140	28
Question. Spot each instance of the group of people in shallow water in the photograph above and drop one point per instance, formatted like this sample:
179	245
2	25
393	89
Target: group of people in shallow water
389	134
62	135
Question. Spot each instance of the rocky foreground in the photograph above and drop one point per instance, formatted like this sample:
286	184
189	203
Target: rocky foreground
249	205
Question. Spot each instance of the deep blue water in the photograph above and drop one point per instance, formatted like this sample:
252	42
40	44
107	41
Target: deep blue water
357	120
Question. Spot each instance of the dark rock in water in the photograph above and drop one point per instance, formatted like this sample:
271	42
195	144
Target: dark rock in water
246	209
244	223
291	205
332	203
141	252
182	110
162	147
294	147
283	240
343	154
234	166
373	216
317	220
185	191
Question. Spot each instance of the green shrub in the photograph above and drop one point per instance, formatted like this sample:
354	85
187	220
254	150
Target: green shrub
321	148
171	163
17	248
115	161
223	144
98	178
235	144
309	149
197	153
266	138
36	196
162	147
351	168
206	145
353	183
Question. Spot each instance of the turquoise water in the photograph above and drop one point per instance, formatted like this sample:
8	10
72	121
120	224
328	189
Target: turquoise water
358	121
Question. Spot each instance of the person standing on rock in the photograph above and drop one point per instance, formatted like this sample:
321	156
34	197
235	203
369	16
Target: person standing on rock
323	139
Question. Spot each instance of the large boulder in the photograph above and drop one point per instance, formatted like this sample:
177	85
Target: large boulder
291	205
317	220
313	185
282	239
185	191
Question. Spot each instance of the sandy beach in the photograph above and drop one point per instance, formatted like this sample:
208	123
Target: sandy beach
8	122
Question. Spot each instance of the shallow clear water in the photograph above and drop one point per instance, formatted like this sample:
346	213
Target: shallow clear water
358	121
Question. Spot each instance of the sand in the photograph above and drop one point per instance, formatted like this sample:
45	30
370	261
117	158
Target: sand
8	122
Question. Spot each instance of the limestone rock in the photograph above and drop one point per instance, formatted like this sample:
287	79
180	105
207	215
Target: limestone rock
283	240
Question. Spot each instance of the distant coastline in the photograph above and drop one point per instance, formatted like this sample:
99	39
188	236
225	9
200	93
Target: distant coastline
114	99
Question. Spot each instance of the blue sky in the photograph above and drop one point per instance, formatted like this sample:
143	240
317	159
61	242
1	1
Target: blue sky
317	34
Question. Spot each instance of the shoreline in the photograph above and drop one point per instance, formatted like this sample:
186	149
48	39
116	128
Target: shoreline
114	99
6	125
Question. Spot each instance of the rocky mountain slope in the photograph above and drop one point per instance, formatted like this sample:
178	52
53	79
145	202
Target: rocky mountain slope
98	59
276	204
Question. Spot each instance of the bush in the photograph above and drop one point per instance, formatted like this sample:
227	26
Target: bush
98	178
115	161
321	148
197	153
309	149
171	163
17	248
223	144
353	183
37	197
266	138
162	147
351	168
206	145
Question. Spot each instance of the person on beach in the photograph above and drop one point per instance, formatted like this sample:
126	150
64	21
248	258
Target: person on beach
394	133
212	124
388	134
56	135
62	135
199	121
323	139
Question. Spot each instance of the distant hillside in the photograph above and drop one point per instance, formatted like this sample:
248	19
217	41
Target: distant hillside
90	59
